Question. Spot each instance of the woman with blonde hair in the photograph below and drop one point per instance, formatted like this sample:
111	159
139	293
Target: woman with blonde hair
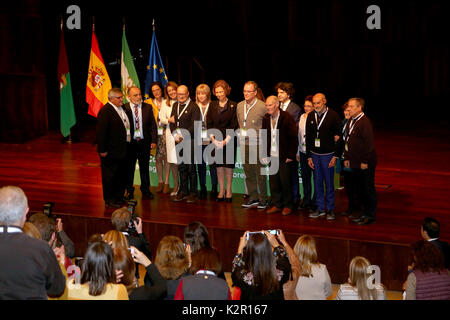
170	94
357	287
203	100
116	239
314	282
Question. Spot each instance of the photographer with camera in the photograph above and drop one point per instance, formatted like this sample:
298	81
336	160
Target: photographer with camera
131	226
261	266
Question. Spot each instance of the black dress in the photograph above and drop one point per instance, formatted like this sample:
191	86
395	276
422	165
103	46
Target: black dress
223	118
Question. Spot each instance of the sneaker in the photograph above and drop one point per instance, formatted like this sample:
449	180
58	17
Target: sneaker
317	214
250	204
331	215
263	204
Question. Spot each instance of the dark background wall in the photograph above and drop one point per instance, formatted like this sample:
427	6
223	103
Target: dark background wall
401	70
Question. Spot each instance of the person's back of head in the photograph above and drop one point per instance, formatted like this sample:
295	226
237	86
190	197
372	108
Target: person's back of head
116	239
13	206
206	259
124	261
45	225
120	219
427	257
358	275
305	249
196	235
98	267
259	259
172	259
31	230
431	228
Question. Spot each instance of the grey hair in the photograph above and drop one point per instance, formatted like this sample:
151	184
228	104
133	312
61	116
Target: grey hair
113	91
13	205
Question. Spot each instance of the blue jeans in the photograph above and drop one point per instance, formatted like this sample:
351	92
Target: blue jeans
323	174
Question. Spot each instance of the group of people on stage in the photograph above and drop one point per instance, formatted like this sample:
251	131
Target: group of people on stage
274	136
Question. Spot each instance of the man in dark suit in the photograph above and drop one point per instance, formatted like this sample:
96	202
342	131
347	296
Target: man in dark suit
360	155
285	92
143	139
282	145
29	269
430	230
185	113
114	132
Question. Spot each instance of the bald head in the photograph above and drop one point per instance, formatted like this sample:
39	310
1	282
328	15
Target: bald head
319	102
272	105
182	93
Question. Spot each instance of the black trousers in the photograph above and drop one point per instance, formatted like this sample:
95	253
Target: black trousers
188	175
365	183
140	151
114	172
281	186
351	189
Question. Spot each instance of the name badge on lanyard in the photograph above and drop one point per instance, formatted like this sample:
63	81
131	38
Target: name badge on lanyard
246	112
317	140
160	131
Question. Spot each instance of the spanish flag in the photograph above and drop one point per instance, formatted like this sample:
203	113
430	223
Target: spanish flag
98	82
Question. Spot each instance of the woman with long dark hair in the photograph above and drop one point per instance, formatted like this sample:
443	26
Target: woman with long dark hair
98	277
261	267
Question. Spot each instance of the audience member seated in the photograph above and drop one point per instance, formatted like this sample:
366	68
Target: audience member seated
158	289
314	282
98	278
51	226
173	259
261	267
31	230
124	262
28	266
203	283
196	236
430	230
357	287
429	279
120	220
116	239
289	286
47	229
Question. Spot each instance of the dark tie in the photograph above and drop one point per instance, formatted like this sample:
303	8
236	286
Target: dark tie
136	116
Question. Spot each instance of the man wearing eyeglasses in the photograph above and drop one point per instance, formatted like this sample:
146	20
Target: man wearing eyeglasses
114	132
250	114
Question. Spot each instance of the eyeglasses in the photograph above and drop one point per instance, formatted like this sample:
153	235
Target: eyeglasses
121	97
249	91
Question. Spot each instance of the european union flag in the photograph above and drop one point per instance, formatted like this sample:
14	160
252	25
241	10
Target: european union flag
155	68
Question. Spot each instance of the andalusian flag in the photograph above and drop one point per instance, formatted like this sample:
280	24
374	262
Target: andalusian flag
68	119
98	82
127	69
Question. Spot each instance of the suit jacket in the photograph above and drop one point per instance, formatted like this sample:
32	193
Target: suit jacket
361	145
149	128
288	141
222	118
185	120
445	249
295	111
111	135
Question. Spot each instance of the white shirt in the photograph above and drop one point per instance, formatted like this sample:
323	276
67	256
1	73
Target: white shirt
302	133
316	287
285	105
